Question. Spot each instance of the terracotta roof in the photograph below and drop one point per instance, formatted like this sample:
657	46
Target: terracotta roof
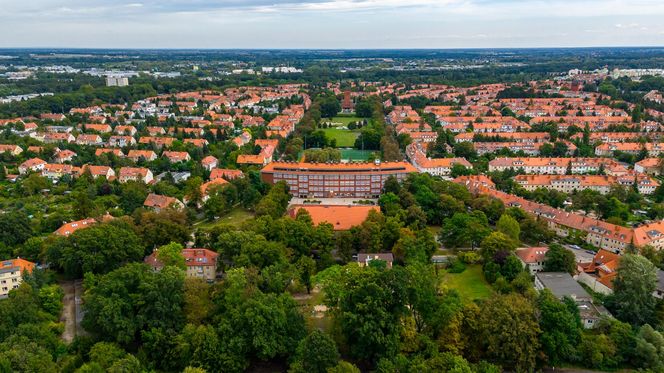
159	201
22	264
341	217
69	228
532	254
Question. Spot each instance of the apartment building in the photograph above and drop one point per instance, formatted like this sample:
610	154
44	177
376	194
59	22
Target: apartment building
200	263
11	274
598	183
558	166
433	166
320	180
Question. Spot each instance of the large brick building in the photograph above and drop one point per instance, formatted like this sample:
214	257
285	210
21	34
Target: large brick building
322	180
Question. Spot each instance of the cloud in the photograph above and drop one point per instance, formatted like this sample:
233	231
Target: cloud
329	23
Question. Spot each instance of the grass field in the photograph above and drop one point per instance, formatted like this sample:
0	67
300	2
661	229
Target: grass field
355	155
470	283
342	121
345	138
236	217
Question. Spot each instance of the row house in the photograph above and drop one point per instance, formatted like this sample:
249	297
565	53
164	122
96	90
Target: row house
433	166
613	137
634	148
598	183
598	233
531	149
558	166
531	137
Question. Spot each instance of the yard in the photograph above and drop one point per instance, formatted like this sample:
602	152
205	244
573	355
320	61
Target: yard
338	130
345	138
470	283
236	217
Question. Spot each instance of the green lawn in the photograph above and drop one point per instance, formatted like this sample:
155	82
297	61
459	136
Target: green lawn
236	217
345	138
470	283
341	121
355	155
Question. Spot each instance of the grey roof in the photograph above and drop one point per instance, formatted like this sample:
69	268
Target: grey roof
562	284
388	257
660	279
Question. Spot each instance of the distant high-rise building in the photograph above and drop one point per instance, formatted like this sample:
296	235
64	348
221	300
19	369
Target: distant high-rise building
117	81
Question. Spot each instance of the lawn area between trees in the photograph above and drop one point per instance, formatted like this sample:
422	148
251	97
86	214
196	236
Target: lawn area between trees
236	217
345	138
470	283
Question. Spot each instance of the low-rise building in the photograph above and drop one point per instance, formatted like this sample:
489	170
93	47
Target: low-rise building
11	274
561	284
200	263
364	259
141	174
158	202
532	258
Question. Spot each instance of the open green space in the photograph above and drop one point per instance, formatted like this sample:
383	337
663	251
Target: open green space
345	138
355	155
341	120
236	217
470	283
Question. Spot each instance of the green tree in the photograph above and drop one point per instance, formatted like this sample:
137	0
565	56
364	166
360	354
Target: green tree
496	243
171	255
559	259
509	226
131	299
316	353
632	299
561	328
508	332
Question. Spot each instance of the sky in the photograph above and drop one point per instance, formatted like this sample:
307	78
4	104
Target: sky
330	24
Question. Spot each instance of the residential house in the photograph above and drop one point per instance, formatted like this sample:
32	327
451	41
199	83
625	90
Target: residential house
135	174
11	274
158	202
200	263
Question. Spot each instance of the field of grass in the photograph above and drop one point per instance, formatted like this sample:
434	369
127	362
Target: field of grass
345	138
236	217
470	283
341	121
355	155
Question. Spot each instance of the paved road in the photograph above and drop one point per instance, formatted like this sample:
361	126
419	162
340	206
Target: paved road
72	312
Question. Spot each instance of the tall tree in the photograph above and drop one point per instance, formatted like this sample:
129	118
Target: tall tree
632	300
